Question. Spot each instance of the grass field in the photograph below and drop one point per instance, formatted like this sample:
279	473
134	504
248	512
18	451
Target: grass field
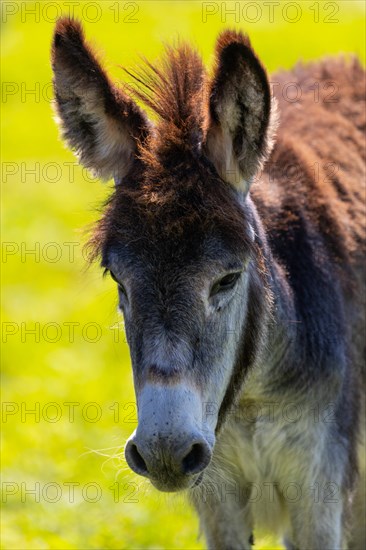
64	353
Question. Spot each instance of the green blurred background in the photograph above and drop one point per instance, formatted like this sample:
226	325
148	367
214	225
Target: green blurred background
64	480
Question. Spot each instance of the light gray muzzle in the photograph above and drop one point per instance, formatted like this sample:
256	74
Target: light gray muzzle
171	446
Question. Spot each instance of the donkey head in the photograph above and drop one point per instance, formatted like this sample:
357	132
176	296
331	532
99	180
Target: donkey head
179	235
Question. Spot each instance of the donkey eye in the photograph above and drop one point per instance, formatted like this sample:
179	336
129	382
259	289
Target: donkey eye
113	277
226	283
120	285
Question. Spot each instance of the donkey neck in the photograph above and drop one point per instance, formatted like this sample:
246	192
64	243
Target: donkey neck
279	334
297	346
268	335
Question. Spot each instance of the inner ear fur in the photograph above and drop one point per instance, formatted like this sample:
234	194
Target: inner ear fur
241	110
98	120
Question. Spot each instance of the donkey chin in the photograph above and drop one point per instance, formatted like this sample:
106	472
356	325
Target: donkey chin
171	445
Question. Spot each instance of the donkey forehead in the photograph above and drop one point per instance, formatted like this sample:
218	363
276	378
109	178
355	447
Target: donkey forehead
183	209
172	256
182	234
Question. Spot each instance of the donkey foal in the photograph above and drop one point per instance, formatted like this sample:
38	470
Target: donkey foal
241	286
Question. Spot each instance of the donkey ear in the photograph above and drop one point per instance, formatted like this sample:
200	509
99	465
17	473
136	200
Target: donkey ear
98	121
241	128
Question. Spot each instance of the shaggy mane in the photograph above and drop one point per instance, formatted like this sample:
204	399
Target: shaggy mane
174	89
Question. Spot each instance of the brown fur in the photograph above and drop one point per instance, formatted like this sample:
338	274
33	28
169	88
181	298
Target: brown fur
333	202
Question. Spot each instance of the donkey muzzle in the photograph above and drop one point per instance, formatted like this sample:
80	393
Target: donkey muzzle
170	446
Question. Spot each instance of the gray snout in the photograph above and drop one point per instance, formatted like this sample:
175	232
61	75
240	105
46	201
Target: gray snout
169	446
168	465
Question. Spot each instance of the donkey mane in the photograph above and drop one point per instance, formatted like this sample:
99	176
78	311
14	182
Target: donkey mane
182	95
174	89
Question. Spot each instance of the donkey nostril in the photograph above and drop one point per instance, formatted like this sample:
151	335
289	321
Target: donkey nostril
196	460
136	461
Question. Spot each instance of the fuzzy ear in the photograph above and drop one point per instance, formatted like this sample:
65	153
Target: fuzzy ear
98	121
241	129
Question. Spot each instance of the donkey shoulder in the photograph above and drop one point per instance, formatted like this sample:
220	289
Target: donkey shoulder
310	199
314	180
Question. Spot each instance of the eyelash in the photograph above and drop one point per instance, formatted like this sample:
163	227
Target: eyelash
225	283
120	285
